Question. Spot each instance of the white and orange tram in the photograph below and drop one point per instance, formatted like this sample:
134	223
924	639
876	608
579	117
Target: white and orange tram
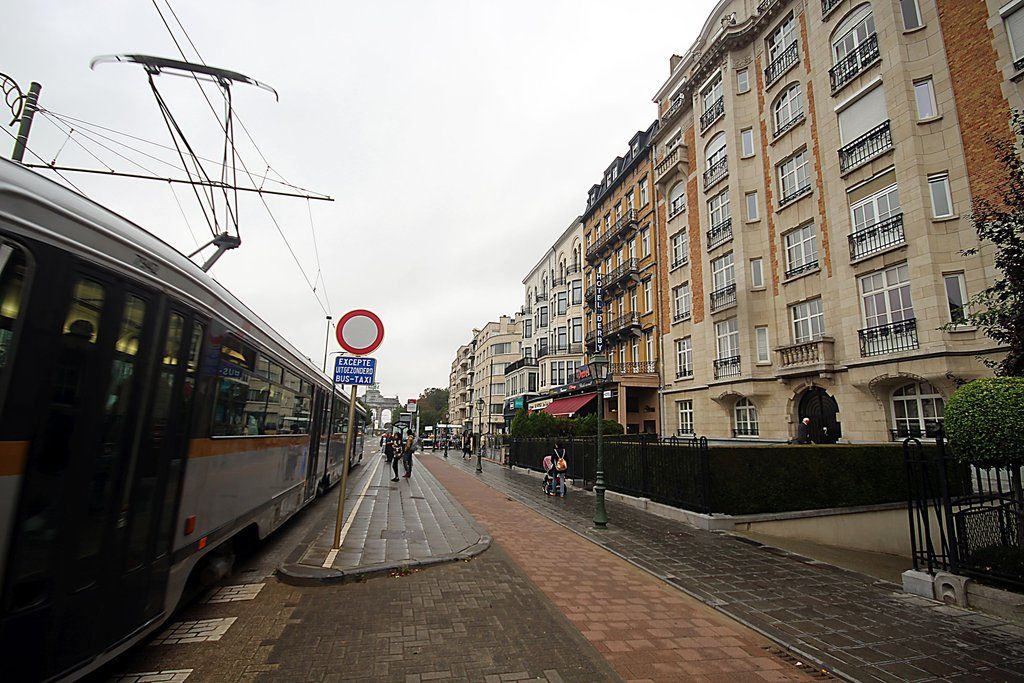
149	422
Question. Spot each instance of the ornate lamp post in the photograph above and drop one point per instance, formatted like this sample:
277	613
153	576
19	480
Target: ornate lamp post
599	371
479	444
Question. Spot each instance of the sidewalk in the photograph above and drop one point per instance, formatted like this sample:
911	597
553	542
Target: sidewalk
855	626
388	526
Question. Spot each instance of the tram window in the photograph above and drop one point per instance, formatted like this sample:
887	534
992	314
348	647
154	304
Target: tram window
83	318
229	407
235	352
12	281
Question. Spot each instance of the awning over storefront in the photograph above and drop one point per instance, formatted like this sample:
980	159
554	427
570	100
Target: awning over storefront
570	405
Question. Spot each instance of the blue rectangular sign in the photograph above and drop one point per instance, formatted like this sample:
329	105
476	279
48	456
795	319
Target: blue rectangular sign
354	370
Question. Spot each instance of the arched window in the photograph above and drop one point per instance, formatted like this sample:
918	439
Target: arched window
917	410
854	30
715	151
677	199
745	418
788	108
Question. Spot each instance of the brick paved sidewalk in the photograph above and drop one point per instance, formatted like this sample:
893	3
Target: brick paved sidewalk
855	626
646	629
409	523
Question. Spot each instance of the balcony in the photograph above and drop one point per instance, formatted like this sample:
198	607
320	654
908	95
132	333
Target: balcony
855	63
878	237
1018	64
558	281
675	160
723	297
677	206
525	362
806	358
720	234
744	431
676	107
890	338
573	269
681	316
717	171
827	6
628	269
795	195
875	142
680	261
712	114
644	367
782	64
623	324
619	227
588	296
805	267
727	367
575	348
543	351
684	372
527	309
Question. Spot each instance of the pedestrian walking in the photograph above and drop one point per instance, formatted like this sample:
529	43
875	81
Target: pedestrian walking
803	431
446	439
392	456
407	450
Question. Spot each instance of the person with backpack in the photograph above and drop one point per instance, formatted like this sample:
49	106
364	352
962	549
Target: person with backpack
557	470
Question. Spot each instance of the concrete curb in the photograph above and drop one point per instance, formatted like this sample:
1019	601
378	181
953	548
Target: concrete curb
296	574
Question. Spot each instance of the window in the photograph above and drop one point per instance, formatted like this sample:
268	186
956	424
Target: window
562	337
854	31
685	410
622	354
618	211
782	37
684	357
676	199
788	108
577	292
681	301
636	350
727	337
649	346
632	249
866	113
561	303
543	317
924	94
917	409
808	321
711	93
911	14
715	151
747	142
648	304
746	418
632	302
680	246
956	297
751	201
885	296
631	199
718	208
577	330
13	267
607	223
875	208
942	201
793	178
742	81
643	192
527	329
645	242
756	273
723	273
801	249
761	340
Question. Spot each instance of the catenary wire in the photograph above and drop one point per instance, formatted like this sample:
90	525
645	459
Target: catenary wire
43	161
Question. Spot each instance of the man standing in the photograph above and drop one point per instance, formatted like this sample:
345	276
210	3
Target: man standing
803	431
410	446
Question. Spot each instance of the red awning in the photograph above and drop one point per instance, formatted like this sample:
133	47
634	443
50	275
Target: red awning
568	406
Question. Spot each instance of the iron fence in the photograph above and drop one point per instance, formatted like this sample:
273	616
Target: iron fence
866	147
964	519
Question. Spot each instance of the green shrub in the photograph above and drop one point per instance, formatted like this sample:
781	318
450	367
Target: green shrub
587	426
984	421
539	424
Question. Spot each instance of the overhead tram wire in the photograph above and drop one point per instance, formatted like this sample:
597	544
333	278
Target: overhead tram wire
45	165
245	168
170	186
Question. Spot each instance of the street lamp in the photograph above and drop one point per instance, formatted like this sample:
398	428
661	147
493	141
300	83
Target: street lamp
599	371
479	444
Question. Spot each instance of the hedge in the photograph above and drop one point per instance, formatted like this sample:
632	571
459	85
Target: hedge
984	421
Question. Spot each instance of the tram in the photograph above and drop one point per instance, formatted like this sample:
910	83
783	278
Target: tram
150	423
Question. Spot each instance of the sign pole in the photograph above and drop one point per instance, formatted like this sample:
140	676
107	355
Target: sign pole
349	442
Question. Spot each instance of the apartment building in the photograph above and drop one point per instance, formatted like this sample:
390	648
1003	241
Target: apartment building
495	346
620	242
460	386
814	167
552	331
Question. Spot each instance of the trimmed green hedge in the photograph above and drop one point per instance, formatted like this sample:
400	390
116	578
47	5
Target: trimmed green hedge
985	421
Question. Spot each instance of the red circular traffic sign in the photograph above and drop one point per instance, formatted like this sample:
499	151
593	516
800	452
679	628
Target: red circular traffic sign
360	332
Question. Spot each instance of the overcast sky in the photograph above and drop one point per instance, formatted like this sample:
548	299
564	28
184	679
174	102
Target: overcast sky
458	139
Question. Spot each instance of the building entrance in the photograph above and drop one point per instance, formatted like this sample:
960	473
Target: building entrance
823	410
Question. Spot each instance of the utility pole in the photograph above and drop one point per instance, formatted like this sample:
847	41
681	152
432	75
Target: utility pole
28	112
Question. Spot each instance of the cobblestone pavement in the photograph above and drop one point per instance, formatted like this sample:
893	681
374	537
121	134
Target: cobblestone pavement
647	630
390	523
855	626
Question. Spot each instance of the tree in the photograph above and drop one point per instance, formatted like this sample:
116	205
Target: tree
432	406
999	309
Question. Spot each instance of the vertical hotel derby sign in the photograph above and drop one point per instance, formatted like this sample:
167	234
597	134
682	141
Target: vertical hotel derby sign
599	311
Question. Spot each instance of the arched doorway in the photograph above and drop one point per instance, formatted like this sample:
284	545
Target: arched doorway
822	409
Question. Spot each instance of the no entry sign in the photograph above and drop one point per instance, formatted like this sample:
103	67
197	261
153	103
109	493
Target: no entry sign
360	332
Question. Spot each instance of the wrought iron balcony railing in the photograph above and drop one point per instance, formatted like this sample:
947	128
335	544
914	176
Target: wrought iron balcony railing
717	171
712	113
676	107
525	362
727	367
931	430
644	367
679	262
780	131
868	146
855	63
623	323
558	281
527	310
1018	64
782	63
890	338
681	316
574	268
720	234
795	194
627	268
827	6
676	207
543	351
613	233
804	267
878	237
588	296
723	297
745	431
684	371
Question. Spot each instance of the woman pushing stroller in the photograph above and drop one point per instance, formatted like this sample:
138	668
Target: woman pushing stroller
554	471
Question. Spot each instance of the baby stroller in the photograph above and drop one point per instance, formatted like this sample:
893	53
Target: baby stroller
554	478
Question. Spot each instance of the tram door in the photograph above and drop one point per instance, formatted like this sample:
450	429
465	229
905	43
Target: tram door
81	395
